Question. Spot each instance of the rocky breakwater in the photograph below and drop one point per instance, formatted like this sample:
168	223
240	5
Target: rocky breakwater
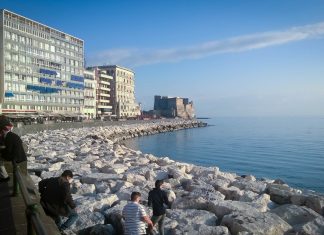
205	199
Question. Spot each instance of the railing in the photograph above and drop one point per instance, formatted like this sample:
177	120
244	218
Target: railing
34	223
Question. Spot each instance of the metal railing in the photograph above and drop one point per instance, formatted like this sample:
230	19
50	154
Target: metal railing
34	223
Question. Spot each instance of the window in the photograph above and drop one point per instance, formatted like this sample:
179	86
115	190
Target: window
7	35
22	39
22	58
7	55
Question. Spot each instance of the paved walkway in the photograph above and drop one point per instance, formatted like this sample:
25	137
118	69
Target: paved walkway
12	211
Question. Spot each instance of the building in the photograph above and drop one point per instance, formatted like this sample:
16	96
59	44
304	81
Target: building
41	68
90	94
103	98
123	91
173	107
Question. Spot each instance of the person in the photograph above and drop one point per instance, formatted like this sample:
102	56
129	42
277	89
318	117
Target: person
135	216
158	199
12	148
56	199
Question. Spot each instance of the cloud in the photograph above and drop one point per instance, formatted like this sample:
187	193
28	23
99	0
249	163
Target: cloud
136	57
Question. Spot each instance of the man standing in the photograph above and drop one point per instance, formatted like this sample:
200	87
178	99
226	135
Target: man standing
135	216
158	199
11	147
56	199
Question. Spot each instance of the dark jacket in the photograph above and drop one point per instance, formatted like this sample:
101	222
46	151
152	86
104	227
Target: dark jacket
14	150
157	198
56	196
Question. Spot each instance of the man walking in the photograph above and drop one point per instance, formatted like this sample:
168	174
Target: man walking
56	199
135	216
158	199
11	147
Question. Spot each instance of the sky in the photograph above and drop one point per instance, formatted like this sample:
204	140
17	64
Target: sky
232	58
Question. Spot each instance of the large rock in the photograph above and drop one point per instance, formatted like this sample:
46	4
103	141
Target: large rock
114	169
188	202
257	223
281	194
231	193
199	171
97	177
176	173
190	220
102	187
105	200
84	189
315	202
99	229
222	208
248	196
250	185
117	207
87	219
213	230
295	215
314	227
220	183
115	219
133	178
262	202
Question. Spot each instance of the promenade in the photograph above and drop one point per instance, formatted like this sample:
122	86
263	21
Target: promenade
12	209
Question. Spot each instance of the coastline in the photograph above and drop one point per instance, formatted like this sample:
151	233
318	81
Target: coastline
206	200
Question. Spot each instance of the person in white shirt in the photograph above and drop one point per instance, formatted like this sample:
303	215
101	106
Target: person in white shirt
135	216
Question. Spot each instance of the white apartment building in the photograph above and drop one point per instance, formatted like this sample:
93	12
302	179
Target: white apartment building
104	107
41	68
123	91
90	94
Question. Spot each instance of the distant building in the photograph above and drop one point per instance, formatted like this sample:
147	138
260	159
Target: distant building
41	68
103	98
122	91
173	107
90	94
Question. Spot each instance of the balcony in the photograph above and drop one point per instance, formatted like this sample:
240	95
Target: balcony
104	88
103	94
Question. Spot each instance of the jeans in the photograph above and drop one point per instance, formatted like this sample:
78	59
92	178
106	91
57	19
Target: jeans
160	221
72	217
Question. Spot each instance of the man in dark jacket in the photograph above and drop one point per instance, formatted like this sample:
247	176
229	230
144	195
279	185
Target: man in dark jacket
159	200
56	199
11	147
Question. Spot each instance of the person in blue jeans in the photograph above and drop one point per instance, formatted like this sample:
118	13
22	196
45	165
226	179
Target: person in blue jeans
158	199
56	199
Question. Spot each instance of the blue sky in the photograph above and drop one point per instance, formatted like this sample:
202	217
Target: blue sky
233	58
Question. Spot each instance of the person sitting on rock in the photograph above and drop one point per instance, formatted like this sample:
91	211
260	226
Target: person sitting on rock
134	215
56	199
158	199
12	148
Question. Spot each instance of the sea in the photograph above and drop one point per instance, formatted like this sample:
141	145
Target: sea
290	148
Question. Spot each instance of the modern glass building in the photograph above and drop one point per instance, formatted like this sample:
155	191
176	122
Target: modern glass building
41	68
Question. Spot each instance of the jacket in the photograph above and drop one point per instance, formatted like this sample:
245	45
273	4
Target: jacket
56	196
157	198
14	150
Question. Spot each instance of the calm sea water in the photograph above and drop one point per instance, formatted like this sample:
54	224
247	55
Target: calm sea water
291	149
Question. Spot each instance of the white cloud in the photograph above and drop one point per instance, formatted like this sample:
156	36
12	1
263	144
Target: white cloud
137	57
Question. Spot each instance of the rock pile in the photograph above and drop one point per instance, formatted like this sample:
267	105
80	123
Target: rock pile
205	200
